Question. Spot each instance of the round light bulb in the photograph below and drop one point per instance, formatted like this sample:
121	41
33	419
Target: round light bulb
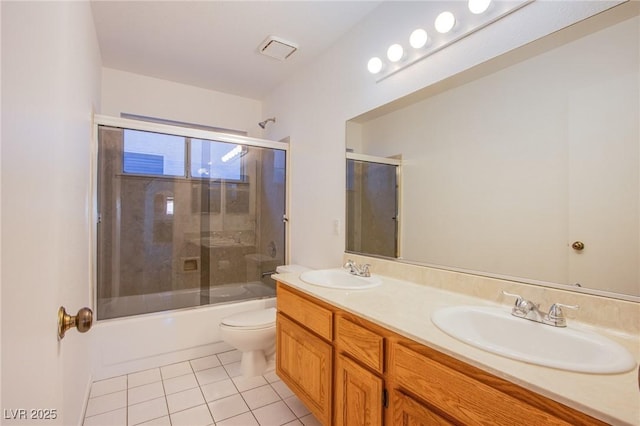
445	22
374	65
395	52
418	38
478	6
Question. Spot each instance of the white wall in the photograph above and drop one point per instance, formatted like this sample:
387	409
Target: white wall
124	92
50	85
313	106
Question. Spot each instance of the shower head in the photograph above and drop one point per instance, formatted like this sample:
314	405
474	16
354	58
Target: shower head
263	124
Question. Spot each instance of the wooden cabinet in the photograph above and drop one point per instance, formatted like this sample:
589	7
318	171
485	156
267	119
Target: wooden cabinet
342	367
304	363
408	412
360	343
459	396
358	394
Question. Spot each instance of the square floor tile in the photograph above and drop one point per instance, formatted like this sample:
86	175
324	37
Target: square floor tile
180	383
259	397
218	390
310	420
211	375
196	416
205	363
143	377
185	399
175	370
145	393
110	418
227	407
294	423
234	369
246	383
271	376
273	414
109	402
282	389
148	410
104	387
160	421
298	408
229	357
245	419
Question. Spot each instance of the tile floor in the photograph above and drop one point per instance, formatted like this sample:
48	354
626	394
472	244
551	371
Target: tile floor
203	391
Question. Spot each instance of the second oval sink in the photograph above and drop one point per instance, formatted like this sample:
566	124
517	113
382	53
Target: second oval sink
339	278
565	348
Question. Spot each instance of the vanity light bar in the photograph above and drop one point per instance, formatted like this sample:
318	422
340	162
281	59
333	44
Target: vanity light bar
447	30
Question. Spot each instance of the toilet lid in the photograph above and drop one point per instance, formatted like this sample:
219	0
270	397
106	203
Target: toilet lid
257	318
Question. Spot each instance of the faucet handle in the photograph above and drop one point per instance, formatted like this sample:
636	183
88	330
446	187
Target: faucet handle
364	270
506	293
522	306
556	309
519	299
556	316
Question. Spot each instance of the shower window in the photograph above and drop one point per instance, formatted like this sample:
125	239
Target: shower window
149	153
216	160
185	221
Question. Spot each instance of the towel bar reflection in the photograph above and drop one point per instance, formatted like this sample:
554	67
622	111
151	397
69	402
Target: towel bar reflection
82	321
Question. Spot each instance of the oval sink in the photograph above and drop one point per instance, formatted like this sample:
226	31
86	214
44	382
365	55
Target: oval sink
565	348
339	278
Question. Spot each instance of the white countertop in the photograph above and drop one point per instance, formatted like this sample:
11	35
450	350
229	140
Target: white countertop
406	309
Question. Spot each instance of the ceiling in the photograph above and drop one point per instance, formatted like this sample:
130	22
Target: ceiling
214	44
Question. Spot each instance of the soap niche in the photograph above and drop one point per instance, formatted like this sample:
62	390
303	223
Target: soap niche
190	264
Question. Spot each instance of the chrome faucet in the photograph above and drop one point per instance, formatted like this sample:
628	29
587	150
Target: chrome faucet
354	269
556	317
526	309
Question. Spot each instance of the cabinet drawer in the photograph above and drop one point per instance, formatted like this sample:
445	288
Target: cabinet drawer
364	345
313	316
459	395
408	412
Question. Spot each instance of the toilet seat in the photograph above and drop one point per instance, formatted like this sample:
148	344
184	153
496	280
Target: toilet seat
251	320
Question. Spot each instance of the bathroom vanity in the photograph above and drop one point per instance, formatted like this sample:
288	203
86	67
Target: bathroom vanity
352	362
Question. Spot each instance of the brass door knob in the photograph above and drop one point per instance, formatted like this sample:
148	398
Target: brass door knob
578	245
82	321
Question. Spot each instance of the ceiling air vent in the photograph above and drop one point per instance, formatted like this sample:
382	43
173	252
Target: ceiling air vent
277	48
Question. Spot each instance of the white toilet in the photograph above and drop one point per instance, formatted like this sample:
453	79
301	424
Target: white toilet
254	334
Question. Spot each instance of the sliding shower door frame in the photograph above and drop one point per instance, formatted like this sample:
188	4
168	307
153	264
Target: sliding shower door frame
187	132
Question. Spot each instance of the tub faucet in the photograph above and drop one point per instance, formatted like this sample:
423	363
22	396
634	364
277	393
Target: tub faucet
354	269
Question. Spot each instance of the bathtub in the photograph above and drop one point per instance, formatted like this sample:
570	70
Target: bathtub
136	343
118	307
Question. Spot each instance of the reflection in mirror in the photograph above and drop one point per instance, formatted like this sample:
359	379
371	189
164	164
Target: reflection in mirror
507	165
372	200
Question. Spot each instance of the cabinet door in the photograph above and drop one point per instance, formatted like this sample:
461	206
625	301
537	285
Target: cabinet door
407	412
358	395
304	363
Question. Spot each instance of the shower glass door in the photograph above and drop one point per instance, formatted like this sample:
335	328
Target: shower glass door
186	221
372	205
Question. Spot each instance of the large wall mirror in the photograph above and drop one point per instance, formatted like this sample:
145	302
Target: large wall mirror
525	167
